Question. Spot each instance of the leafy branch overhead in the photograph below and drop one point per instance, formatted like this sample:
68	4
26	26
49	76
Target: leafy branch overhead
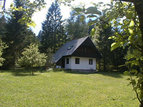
27	9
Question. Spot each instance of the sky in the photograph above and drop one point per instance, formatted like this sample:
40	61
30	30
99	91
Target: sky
40	16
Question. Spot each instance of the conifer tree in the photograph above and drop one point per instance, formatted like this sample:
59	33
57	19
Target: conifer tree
52	35
76	26
18	35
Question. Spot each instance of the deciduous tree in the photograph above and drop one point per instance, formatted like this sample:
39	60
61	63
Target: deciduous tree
31	57
128	16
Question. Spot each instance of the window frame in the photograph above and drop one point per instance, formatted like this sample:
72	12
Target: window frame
90	61
77	60
67	60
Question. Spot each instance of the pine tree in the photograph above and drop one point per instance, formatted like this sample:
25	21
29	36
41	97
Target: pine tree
2	47
76	26
16	34
53	35
111	60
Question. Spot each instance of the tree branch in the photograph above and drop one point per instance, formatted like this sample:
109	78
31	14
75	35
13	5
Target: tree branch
4	5
125	0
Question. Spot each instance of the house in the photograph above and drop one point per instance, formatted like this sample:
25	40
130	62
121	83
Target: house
80	54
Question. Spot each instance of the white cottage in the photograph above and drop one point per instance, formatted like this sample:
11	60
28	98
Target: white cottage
80	54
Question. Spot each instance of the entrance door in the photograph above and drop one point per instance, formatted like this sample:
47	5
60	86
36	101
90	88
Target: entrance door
63	63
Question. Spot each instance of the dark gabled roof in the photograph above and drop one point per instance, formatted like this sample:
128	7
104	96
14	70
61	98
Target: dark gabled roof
69	48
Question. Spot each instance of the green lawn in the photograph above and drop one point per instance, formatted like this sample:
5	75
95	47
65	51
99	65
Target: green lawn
60	89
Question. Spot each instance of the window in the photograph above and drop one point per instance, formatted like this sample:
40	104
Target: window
90	61
67	60
70	47
77	60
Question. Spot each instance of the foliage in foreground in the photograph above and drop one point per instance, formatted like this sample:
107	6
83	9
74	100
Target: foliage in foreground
126	20
31	57
130	36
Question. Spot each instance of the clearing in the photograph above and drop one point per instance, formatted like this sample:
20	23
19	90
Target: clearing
60	89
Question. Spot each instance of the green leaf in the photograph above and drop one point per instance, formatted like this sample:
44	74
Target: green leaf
93	31
126	73
134	71
130	31
82	17
93	10
78	9
129	15
112	37
114	46
132	23
133	82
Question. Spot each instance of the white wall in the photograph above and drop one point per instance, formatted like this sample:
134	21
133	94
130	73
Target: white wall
84	63
68	66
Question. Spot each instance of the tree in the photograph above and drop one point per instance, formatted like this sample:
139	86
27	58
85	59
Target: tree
2	33
31	57
129	18
2	25
130	36
53	35
17	30
76	26
3	7
111	60
2	47
125	19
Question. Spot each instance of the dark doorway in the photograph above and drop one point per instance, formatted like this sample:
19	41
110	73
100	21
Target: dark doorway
63	63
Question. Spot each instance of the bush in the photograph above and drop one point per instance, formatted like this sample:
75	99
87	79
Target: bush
31	57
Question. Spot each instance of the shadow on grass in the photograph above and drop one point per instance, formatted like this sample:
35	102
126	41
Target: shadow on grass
112	74
23	72
79	72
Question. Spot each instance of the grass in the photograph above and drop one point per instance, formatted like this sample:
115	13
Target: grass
60	89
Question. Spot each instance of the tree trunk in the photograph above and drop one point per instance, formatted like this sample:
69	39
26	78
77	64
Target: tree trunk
141	105
98	65
141	101
139	9
104	64
32	73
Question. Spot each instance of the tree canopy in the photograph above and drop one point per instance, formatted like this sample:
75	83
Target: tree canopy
31	57
2	47
76	26
52	35
15	30
126	18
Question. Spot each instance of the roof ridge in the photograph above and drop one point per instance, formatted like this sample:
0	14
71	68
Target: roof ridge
68	48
